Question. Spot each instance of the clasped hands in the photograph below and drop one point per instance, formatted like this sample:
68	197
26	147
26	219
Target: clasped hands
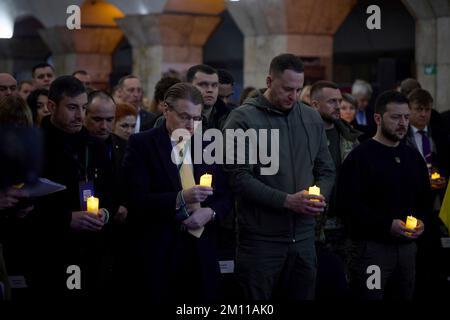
198	217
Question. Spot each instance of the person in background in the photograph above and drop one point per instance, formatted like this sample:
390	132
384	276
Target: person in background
25	88
226	87
161	88
125	120
85	79
38	101
8	85
43	75
15	112
305	95
245	94
362	91
131	92
347	109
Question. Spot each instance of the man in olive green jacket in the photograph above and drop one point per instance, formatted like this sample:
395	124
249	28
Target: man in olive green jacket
276	215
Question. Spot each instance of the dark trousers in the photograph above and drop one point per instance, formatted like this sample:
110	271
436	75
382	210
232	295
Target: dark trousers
277	270
397	265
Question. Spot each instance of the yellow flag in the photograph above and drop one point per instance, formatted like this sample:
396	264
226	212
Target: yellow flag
445	208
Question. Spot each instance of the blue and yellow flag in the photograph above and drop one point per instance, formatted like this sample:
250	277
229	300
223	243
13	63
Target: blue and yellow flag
445	209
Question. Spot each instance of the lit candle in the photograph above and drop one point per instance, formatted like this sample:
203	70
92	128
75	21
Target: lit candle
314	190
206	180
411	222
19	185
92	204
435	176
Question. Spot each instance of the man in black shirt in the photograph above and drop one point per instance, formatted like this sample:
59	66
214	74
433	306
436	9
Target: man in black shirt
381	183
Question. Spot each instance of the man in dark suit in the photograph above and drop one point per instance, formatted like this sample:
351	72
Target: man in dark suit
131	92
364	120
172	217
100	116
430	137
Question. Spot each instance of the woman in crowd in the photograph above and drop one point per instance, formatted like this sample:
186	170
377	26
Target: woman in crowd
125	122
348	107
37	101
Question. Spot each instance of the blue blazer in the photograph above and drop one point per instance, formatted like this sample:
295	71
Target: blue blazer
152	184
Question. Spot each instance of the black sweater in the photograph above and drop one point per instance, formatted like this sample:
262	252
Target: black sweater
378	184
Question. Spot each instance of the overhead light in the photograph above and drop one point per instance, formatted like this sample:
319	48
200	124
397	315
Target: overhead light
6	25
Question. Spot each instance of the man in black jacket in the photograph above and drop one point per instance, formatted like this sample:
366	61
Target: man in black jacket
66	234
382	182
206	80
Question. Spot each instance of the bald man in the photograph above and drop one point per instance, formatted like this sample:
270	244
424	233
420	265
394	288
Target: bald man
8	85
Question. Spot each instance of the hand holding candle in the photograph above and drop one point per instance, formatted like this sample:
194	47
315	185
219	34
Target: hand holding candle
435	176
92	204
411	223
206	180
437	182
314	190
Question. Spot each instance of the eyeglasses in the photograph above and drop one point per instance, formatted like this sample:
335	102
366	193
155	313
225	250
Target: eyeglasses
183	116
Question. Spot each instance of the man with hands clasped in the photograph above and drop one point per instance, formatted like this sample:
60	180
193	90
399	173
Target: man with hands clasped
65	233
171	217
276	255
383	184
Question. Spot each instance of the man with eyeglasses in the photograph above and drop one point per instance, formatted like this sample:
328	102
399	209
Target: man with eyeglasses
43	75
8	85
172	218
130	89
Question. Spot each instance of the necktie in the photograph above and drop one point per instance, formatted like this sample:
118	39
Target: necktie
361	118
426	148
187	182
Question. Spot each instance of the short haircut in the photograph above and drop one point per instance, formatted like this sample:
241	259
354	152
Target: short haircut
162	86
350	99
68	86
225	77
421	97
408	85
183	90
122	80
125	109
14	112
83	72
317	87
32	101
362	88
21	83
245	93
199	68
98	94
41	65
390	96
286	61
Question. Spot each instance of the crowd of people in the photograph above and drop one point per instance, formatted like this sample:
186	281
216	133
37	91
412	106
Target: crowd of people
159	233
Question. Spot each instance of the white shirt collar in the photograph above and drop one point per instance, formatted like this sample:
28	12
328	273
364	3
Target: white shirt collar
416	131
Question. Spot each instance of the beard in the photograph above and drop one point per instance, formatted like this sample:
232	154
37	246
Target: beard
392	135
328	117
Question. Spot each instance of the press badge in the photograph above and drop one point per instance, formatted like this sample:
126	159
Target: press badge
86	190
